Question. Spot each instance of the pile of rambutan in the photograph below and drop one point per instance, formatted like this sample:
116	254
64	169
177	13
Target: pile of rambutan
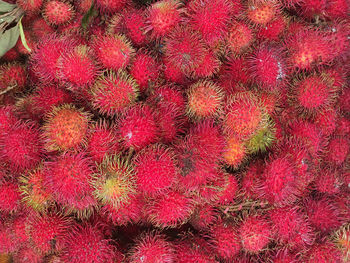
175	131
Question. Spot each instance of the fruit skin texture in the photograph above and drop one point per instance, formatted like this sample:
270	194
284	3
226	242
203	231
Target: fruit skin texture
235	151
323	253
65	128
337	150
194	250
86	243
135	23
155	170
20	146
111	6
138	128
240	37
152	247
58	13
9	196
30	6
12	74
255	233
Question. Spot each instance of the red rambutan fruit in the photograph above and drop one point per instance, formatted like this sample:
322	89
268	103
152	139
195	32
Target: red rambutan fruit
9	196
144	70
252	179
112	93
11	55
240	37
329	181
235	152
86	243
209	66
225	239
111	6
168	96
27	254
12	76
194	249
326	120
261	12
255	233
76	68
204	216
135	24
162	17
273	31
7	119
285	256
170	209
210	18
172	73
312	8
337	9
204	99
30	6
337	150
65	128
57	12
138	127
155	170
233	74
326	252
114	182
31	43
20	146
152	247
40	28
229	189
68	178
113	51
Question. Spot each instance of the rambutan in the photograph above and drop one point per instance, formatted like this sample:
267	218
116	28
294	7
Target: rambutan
240	37
326	120
144	70
57	12
137	127
329	181
209	66
261	12
114	182
30	6
112	93
9	196
20	146
312	8
235	152
228	189
168	96
273	30
7	119
155	170
27	254
205	99
86	243
170	209
233	74
40	28
172	73
337	9
204	216
342	241
65	128
12	76
337	150
150	248
162	17
255	233
113	51
323	253
135	24
111	6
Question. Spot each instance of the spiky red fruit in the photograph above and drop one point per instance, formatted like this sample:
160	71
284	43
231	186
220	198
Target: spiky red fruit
111	6
210	18
337	150
285	256
9	196
135	24
144	70
234	152
194	250
323	253
27	254
151	248
40	28
58	12
292	227
262	12
205	99
20	146
65	128
113	51
329	181
312	8
273	31
7	119
225	240
12	75
229	189
76	68
138	128
337	9
204	217
240	37
30	6
86	243
170	209
155	170
112	93
68	178
163	16
255	233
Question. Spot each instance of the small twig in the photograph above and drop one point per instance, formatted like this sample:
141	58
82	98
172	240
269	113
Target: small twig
8	89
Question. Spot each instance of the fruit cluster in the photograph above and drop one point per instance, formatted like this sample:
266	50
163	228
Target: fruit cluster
176	131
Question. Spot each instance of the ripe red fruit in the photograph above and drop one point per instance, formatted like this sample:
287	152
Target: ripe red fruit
194	249
323	253
240	37
86	243
170	209
273	31
113	51
255	233
312	8
138	128
204	216
337	150
12	75
111	6
329	181
58	12
229	189
150	248
40	28
7	119
20	146
9	196
30	6
112	93
262	12
162	17
135	24
65	128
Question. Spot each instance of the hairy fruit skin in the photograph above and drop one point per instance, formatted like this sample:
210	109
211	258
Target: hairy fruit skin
58	13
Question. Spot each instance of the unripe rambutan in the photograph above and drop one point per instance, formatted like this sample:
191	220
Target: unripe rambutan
86	243
65	128
235	152
162	17
170	209
114	182
138	128
210	18
30	6
113	51
291	227
255	233
9	196
204	216
34	194
76	69
67	178
337	150
144	70
325	252
12	75
261	12
112	93
155	170
47	232
111	6
152	247
135	24
20	146
240	37
323	214
57	12
205	99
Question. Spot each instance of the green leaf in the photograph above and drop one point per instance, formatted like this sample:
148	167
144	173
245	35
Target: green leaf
89	14
8	39
6	7
23	37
